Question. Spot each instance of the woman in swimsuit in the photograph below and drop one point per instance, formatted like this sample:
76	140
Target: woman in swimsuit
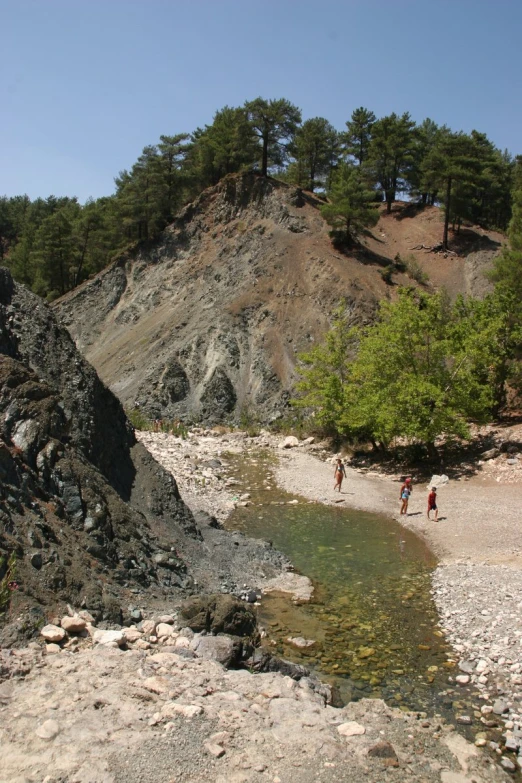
405	495
339	474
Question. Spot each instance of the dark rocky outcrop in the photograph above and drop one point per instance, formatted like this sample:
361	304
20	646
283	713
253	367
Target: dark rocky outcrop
219	614
89	514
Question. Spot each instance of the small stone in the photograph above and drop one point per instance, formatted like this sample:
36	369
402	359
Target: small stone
36	560
508	765
52	649
499	707
465	720
108	637
148	626
48	730
350	729
384	750
462	679
289	443
87	616
166	618
171	709
133	635
512	744
141	644
73	624
164	629
299	641
215	750
52	633
486	709
480	742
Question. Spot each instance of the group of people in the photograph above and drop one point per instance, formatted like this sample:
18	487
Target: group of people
406	490
404	497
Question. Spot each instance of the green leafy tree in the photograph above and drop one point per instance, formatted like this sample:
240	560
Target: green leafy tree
324	372
316	150
356	139
507	276
421	370
351	204
274	122
390	153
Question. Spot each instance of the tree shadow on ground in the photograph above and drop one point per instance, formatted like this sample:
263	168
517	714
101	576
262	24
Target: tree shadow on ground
455	459
468	240
410	210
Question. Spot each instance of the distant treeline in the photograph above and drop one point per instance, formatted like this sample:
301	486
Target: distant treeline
53	244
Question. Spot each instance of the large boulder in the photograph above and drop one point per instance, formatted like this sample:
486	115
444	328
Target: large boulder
219	614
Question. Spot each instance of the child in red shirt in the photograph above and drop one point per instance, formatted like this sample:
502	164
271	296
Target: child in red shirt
432	503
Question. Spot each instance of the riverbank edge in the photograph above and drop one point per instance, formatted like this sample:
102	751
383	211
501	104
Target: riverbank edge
475	595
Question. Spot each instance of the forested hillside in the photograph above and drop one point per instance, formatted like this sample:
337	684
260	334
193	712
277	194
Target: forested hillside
52	244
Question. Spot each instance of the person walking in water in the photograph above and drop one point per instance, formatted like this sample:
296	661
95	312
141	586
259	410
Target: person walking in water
339	474
404	496
432	503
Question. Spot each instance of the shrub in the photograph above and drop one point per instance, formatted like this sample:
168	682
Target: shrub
416	272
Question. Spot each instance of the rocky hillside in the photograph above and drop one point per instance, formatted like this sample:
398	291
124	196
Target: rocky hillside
91	517
207	322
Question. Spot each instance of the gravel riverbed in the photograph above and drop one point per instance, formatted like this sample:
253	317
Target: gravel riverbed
477	584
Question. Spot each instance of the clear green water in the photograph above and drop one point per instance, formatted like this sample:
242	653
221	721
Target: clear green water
372	619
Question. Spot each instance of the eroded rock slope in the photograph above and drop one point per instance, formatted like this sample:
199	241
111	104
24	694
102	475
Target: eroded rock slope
206	323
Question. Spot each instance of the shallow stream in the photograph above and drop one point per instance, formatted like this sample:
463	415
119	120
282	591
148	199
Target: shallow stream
372	619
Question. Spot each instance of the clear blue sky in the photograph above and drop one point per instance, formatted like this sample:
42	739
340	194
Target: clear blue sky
86	84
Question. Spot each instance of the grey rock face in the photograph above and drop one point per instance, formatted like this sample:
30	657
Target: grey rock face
206	323
82	504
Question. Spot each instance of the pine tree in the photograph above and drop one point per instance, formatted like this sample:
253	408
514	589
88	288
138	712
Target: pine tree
274	122
351	204
356	139
315	149
452	162
390	153
225	147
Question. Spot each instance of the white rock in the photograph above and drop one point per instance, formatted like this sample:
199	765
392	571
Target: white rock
462	679
350	729
299	641
132	635
48	730
52	633
215	750
289	442
52	649
108	637
164	629
171	709
73	624
181	641
148	626
166	618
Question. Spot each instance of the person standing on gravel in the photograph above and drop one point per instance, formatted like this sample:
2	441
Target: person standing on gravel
432	503
404	496
339	474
